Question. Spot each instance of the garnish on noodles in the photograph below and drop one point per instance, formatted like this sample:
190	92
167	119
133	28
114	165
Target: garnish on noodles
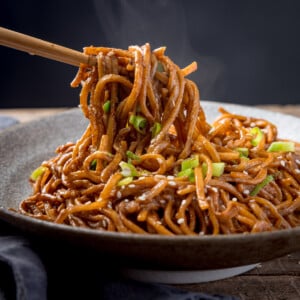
150	163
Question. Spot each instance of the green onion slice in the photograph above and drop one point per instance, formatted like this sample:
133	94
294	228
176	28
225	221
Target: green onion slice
155	130
282	147
258	135
160	67
138	122
106	106
37	173
187	173
190	163
128	169
93	164
217	169
244	152
132	156
261	185
125	181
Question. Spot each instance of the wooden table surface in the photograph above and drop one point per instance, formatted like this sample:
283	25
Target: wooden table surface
278	279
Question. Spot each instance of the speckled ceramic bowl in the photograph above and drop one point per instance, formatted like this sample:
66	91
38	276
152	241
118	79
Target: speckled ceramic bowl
25	146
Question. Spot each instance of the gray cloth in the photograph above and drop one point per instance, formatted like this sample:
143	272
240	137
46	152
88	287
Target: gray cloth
26	279
27	270
130	290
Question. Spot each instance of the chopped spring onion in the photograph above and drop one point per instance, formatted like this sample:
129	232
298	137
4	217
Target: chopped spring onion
138	122
282	147
187	168
132	156
106	106
156	129
37	173
125	181
258	135
93	164
128	169
160	67
190	163
217	169
244	152
187	173
261	185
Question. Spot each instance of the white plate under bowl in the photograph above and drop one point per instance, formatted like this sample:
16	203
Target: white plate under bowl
184	277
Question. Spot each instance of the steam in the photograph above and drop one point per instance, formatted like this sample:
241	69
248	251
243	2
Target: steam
161	23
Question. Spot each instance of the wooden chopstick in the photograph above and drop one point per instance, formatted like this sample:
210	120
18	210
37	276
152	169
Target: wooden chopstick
35	46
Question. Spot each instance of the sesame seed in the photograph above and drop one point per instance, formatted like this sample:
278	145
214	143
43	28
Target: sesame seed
132	186
252	124
142	177
183	202
234	199
297	171
298	161
109	205
126	173
170	177
180	221
282	162
126	200
215	189
246	192
172	183
245	172
119	195
142	197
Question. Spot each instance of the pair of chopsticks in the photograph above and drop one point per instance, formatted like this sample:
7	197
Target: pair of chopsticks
35	46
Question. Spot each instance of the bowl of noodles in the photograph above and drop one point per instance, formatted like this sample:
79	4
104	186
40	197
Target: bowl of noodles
147	174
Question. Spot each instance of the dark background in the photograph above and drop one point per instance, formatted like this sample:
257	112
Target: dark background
247	51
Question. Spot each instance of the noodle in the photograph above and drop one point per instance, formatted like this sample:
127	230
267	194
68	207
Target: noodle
149	163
